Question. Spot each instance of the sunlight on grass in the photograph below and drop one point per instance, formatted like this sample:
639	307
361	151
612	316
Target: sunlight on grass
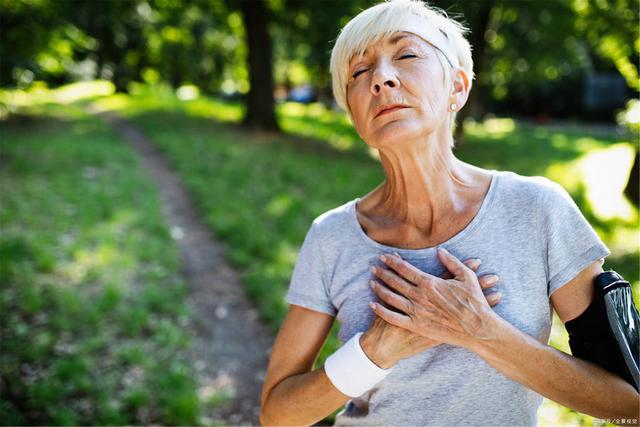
39	93
279	205
188	92
88	260
293	109
500	125
597	178
95	309
316	110
106	256
551	414
562	141
495	128
317	121
559	337
114	102
286	254
130	266
602	176
605	174
264	239
82	90
214	108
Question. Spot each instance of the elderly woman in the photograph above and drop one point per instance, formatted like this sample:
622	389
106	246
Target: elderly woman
429	339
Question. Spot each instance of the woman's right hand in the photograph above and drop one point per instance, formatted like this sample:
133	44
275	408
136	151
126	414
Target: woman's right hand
387	344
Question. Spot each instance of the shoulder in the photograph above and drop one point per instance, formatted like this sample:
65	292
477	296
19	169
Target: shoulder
534	190
334	222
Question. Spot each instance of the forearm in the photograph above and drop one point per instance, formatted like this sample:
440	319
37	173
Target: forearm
565	379
302	399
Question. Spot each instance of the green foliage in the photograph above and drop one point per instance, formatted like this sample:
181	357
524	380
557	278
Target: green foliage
611	27
90	294
88	270
533	55
303	36
123	42
267	188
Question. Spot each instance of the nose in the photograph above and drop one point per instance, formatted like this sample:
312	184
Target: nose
384	76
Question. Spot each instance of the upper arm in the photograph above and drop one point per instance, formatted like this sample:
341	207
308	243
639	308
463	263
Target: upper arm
300	339
573	298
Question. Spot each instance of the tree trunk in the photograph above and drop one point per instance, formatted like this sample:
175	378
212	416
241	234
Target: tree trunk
475	104
631	190
260	101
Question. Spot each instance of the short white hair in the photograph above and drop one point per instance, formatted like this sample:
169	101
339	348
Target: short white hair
382	20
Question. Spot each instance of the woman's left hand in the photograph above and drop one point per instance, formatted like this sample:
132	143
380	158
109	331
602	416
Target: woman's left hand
452	311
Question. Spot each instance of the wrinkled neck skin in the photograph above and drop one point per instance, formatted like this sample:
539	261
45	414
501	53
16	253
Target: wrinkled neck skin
425	184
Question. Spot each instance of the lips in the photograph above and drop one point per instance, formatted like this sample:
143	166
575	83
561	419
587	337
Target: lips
389	108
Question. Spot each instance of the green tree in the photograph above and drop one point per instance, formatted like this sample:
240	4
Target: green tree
260	101
305	31
612	29
26	30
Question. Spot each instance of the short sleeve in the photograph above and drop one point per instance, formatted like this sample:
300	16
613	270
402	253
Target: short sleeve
570	242
308	287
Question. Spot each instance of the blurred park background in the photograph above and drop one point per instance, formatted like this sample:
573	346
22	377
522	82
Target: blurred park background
236	95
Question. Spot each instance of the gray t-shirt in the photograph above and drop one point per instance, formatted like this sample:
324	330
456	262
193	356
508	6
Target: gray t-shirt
528	231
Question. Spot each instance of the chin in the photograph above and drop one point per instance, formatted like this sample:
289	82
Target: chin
398	132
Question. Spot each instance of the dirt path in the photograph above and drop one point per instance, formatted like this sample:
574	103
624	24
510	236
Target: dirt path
231	349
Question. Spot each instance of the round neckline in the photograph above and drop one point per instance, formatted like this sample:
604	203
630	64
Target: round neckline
484	207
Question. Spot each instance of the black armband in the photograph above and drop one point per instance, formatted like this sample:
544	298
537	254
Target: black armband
607	332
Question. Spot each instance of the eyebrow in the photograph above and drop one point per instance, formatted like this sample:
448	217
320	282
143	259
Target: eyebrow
392	41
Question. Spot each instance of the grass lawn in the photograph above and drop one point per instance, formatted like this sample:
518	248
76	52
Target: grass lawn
260	192
94	321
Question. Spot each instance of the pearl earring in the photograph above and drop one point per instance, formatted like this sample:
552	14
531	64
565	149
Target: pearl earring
453	107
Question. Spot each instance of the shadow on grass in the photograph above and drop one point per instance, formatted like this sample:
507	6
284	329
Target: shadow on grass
260	192
90	296
525	149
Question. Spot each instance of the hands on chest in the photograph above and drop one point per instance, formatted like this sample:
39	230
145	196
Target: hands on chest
419	311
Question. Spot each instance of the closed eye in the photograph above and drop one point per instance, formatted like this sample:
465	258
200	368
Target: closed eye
357	73
407	56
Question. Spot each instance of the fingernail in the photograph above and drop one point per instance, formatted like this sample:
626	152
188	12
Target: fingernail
443	250
475	263
383	258
372	305
372	283
495	296
373	269
491	279
397	254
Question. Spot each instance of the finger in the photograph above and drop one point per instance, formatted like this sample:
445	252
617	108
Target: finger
394	281
391	298
391	317
404	269
472	263
488	281
453	264
493	298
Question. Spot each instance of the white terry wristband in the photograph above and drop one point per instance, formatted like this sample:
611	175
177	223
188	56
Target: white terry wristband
351	371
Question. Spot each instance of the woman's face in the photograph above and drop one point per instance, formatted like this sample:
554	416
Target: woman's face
401	69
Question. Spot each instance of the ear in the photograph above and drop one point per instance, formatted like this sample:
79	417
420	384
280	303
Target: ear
460	88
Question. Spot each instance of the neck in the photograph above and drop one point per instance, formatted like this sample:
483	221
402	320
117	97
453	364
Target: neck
425	184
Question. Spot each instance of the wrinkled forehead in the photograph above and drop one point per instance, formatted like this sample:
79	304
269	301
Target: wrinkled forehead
390	38
413	28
